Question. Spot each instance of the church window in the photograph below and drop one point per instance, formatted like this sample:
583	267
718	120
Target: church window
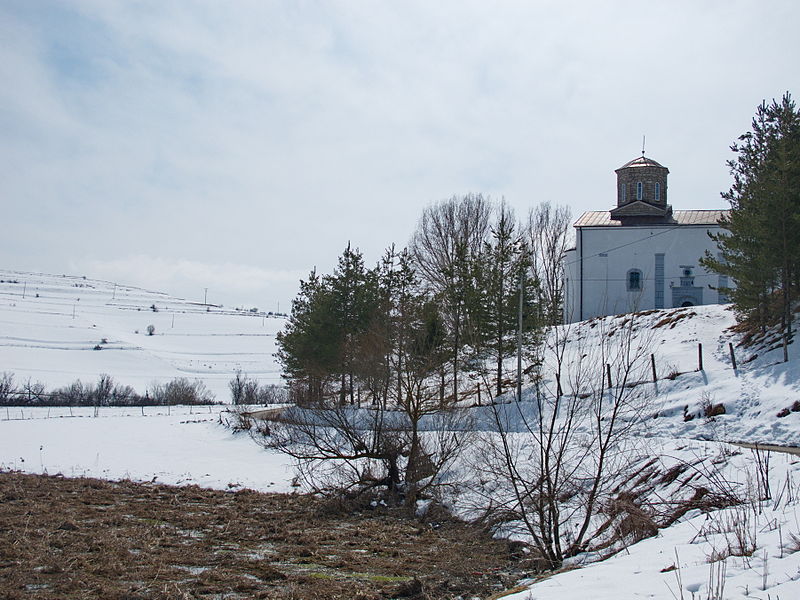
634	280
658	192
639	190
622	194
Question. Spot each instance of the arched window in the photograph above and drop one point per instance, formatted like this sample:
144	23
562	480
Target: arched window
658	192
639	190
634	280
623	196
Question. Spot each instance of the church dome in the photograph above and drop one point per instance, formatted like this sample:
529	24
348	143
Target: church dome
642	191
641	161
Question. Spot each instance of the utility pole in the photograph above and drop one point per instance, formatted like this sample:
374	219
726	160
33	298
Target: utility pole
205	296
519	338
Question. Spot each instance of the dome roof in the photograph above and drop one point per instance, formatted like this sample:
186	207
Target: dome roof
641	161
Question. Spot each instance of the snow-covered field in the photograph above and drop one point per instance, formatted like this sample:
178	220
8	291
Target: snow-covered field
49	326
179	445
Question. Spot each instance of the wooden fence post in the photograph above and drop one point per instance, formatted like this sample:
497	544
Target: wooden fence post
608	374
699	357
733	356
653	365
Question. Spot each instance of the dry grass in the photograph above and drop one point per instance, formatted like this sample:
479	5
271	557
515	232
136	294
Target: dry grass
85	538
674	317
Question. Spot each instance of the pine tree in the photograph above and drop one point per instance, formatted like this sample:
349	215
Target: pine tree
353	292
309	347
761	249
504	264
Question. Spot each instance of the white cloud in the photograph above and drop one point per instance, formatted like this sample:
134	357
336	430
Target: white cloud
208	132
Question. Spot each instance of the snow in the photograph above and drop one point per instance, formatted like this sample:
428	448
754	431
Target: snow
681	561
753	394
186	446
51	324
50	338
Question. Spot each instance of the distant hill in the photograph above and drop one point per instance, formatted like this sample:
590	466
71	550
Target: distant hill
58	328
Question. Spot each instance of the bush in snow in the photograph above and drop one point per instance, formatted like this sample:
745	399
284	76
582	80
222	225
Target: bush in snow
181	391
7	388
245	390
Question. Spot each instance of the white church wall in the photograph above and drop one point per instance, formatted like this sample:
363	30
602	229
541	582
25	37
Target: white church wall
611	253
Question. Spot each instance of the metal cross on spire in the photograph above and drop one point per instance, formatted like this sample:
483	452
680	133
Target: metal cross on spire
643	145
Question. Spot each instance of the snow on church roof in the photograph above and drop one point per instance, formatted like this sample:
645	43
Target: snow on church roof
602	218
641	161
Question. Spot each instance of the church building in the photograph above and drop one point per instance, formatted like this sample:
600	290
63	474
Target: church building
641	254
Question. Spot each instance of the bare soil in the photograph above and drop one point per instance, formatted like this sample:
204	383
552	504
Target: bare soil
87	538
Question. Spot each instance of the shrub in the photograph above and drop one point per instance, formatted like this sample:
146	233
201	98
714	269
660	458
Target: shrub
74	394
181	391
245	390
7	388
151	329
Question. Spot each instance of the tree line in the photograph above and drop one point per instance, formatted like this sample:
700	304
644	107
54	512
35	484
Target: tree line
105	392
760	250
440	314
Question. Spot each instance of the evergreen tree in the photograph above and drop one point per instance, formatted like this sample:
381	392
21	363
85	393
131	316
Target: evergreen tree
353	294
761	249
505	266
309	347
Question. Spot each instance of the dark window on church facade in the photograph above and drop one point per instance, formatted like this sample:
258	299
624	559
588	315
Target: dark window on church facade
658	192
634	280
639	189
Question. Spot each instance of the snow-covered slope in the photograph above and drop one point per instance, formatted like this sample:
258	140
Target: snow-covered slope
750	550
753	394
58	328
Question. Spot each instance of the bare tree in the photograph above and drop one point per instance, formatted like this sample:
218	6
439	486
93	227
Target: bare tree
448	239
7	388
402	448
549	237
551	461
33	392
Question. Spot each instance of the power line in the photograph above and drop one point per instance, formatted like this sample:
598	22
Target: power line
650	237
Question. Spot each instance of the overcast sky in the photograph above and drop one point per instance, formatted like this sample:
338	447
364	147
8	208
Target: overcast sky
235	145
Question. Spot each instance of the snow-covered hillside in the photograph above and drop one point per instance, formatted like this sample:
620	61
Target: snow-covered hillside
751	550
753	394
58	328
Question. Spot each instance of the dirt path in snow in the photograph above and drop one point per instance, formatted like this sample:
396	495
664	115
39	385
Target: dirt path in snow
772	448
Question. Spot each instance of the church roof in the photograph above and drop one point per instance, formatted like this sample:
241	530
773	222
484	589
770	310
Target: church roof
641	161
602	218
637	208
